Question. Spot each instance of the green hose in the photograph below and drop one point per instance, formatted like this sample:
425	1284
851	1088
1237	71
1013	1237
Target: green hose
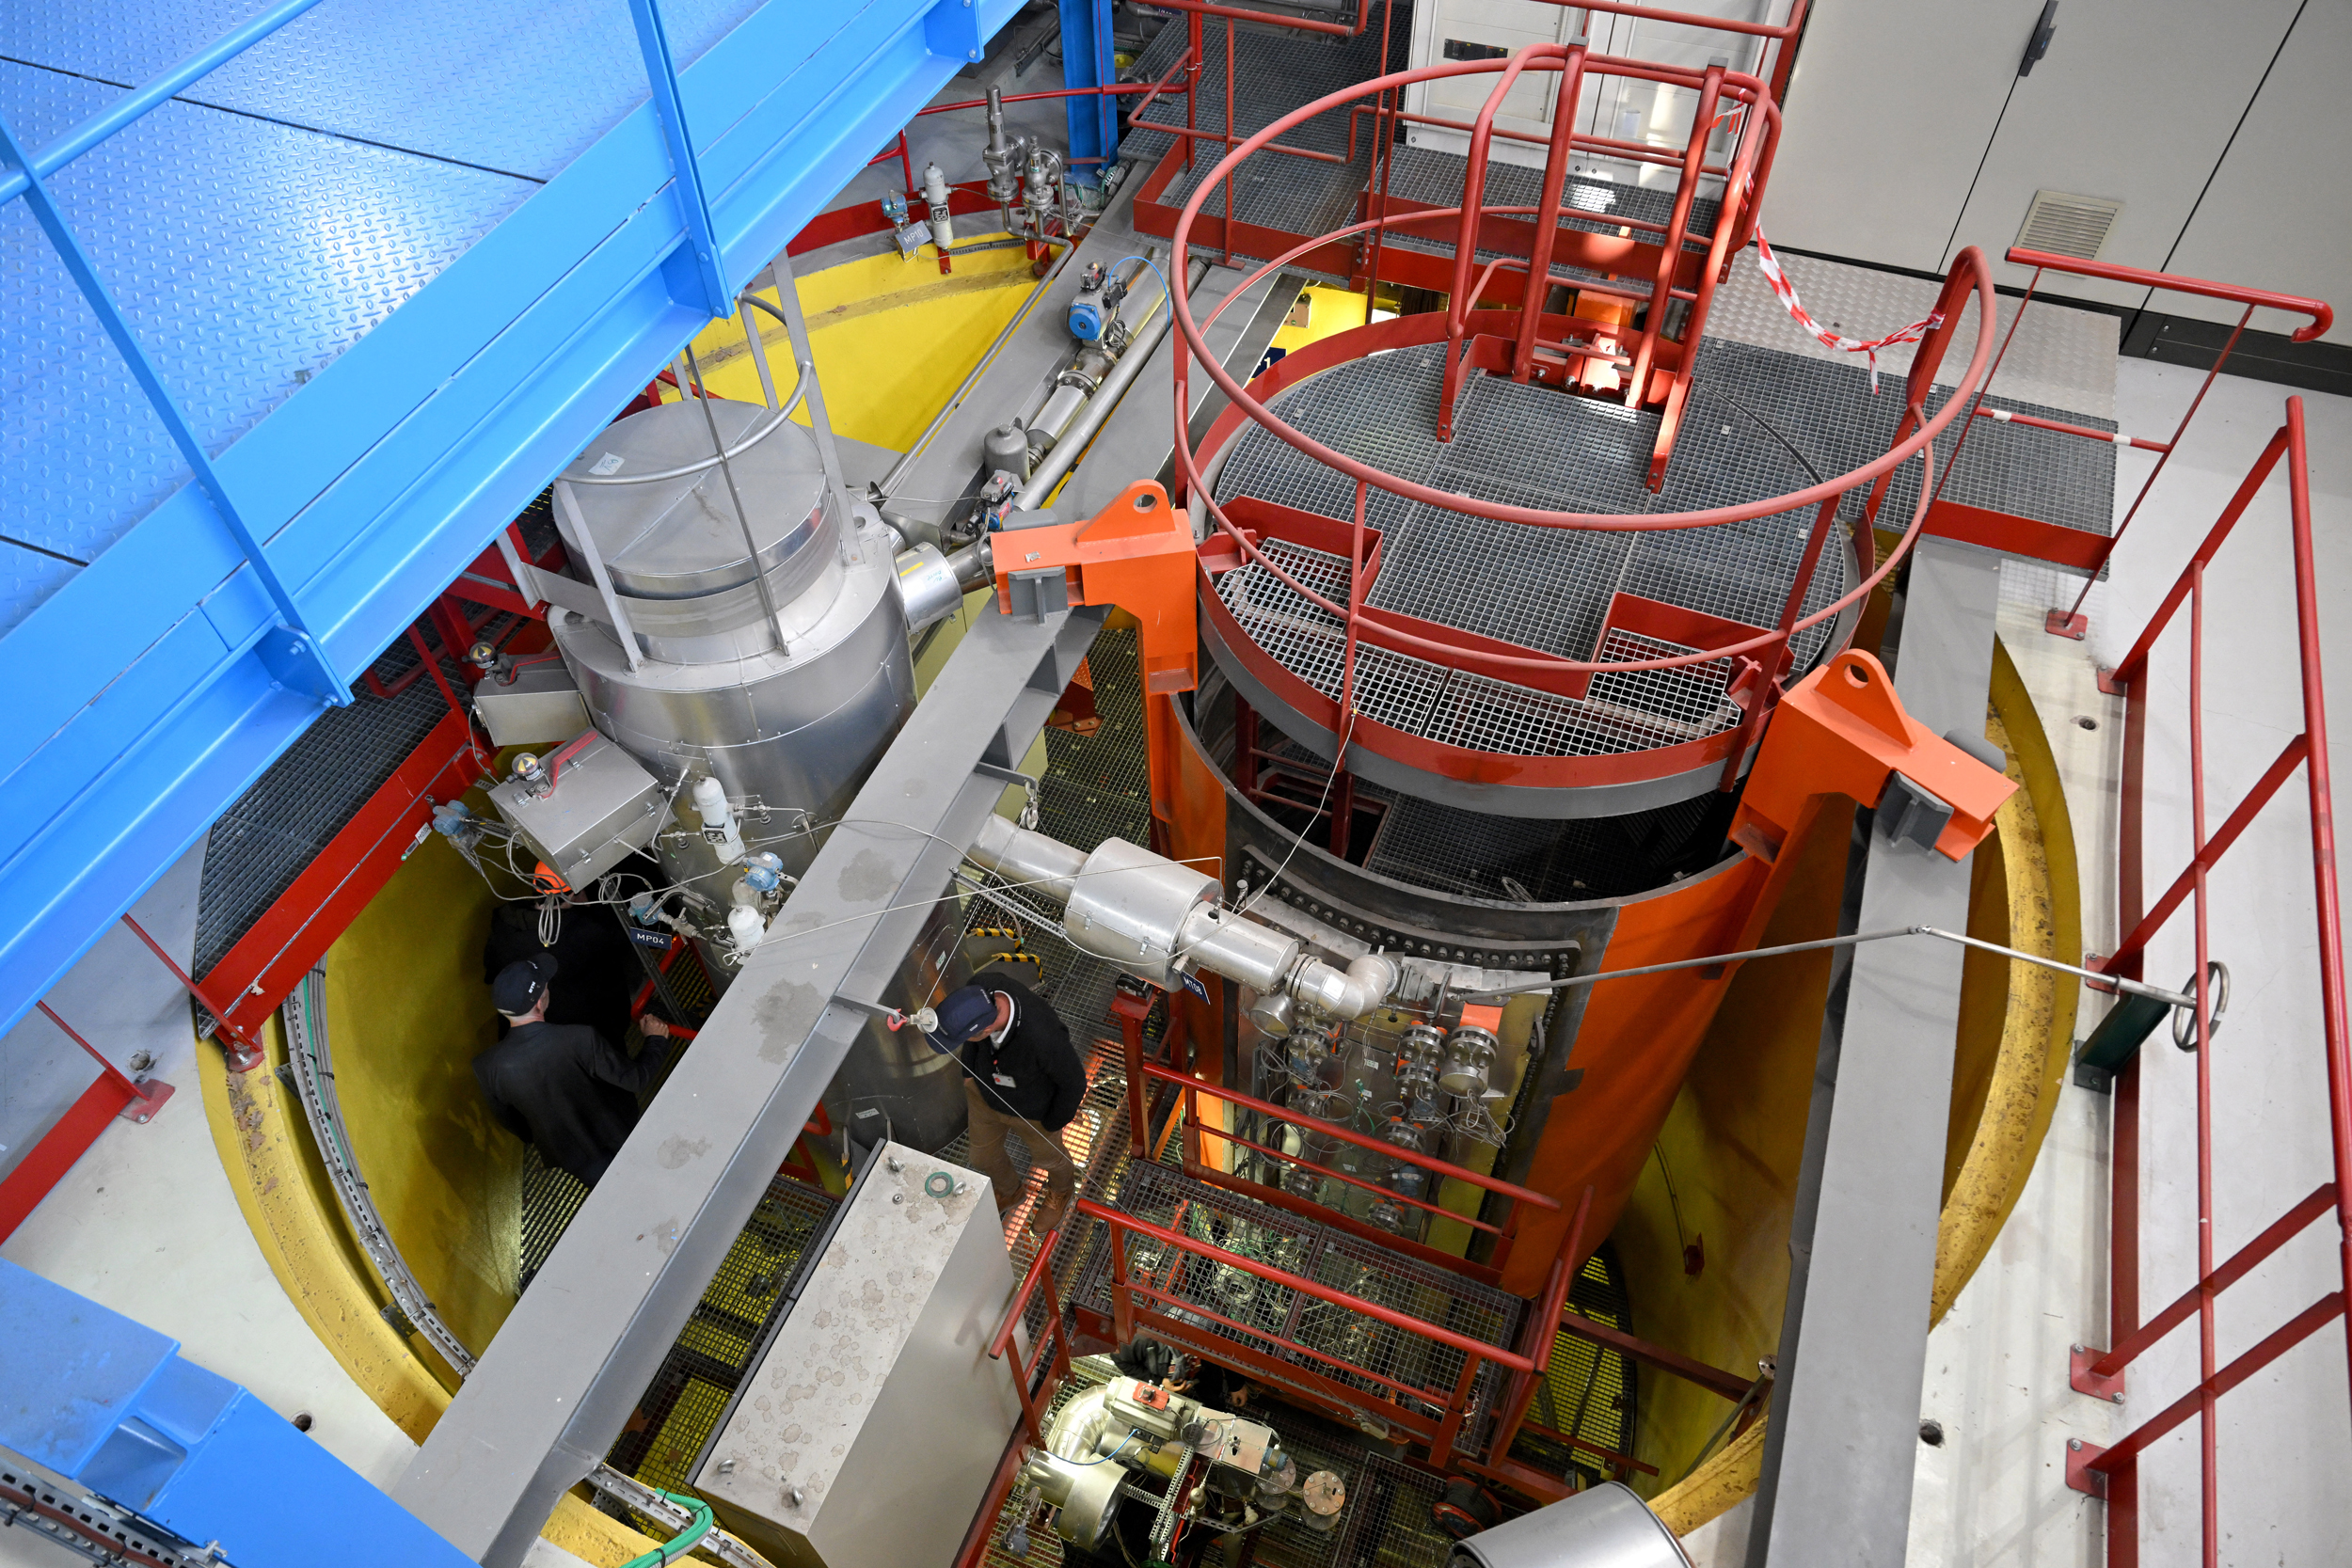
682	1542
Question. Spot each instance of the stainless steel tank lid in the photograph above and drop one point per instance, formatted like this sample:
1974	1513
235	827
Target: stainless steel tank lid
679	538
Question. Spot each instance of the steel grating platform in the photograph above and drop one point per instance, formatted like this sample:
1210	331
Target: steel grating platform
1283	69
1544	589
273	831
698	1379
1434	177
1757	423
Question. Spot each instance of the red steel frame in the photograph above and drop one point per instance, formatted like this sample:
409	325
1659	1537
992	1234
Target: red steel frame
2069	622
1760	656
2112	1472
111	1096
1411	1409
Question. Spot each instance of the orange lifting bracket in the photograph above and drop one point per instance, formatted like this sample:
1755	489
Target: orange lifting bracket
1843	731
1136	554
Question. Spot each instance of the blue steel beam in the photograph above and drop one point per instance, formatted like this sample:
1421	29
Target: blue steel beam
1087	62
110	1406
141	702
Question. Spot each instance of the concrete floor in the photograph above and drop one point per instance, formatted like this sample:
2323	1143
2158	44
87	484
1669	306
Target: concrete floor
145	1222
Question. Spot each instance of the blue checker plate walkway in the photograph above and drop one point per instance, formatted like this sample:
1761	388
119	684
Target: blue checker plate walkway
396	264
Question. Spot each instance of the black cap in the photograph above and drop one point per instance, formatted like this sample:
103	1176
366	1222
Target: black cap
520	984
966	1011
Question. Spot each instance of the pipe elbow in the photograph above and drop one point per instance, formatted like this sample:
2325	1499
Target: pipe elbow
1351	993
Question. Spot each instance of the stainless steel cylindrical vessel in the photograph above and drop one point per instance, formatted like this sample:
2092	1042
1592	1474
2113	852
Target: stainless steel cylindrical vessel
789	715
772	657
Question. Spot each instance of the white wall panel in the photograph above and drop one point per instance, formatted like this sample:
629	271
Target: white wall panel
2279	214
1888	113
2136	101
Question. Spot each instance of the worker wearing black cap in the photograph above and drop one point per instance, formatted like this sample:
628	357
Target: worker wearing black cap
562	1087
1020	1076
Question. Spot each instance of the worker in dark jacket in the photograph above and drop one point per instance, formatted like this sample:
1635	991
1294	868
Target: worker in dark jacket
591	950
562	1087
1020	1076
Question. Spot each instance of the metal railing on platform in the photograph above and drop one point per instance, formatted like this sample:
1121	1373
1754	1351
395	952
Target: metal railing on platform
2112	1472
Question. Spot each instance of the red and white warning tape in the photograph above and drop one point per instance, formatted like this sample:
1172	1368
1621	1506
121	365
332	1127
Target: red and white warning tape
1770	265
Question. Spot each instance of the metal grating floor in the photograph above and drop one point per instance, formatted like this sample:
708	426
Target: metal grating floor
1827	413
276	829
683	1405
1588	1392
1757	423
1281	71
1544	589
1430	175
551	1197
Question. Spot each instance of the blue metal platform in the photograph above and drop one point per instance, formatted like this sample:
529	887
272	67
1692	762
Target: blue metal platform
394	264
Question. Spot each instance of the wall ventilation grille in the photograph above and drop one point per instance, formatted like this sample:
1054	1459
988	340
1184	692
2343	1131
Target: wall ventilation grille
2067	224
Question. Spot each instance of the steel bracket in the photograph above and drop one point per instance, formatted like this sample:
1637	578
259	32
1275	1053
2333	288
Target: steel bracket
295	663
1843	731
952	28
2080	1477
2083	1380
2058	623
142	1106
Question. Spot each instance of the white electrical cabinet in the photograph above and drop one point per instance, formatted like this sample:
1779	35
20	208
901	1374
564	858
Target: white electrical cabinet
1613	107
873	1420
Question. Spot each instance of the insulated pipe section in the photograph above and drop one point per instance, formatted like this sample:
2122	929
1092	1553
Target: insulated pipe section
1045	865
1159	920
1070	443
932	583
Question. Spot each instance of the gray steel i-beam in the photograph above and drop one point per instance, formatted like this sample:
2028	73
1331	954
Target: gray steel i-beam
1843	1436
552	1391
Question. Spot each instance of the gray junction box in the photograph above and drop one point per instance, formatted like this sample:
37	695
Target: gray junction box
596	805
871	1422
537	703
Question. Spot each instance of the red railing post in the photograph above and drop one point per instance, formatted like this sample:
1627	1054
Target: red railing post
2112	1472
1123	1304
1677	229
1457	1411
244	1054
2321	788
1542	1329
1548	212
1131	1011
1463	296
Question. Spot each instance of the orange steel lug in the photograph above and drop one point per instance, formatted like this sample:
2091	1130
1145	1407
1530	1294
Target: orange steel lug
1477	1017
1842	731
1136	554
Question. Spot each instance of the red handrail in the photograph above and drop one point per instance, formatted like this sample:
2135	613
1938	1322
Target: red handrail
1040	1276
2323	316
1349	1135
2069	621
1438	1333
2099	1371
